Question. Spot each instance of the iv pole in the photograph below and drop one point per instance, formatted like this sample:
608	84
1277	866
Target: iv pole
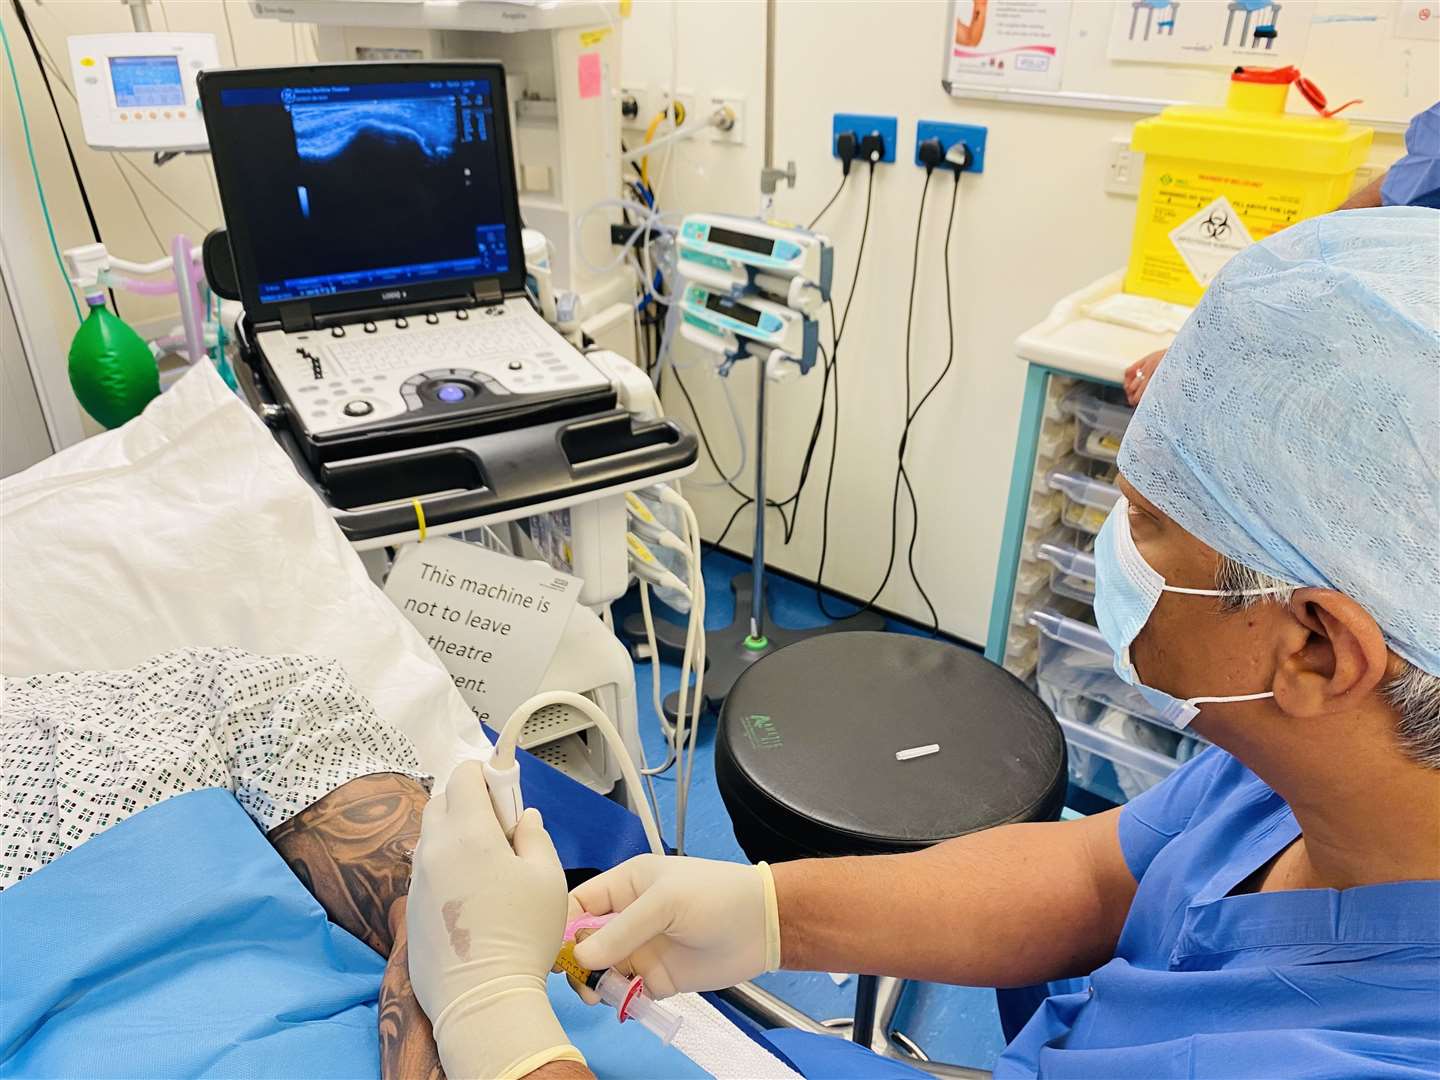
730	651
756	638
139	14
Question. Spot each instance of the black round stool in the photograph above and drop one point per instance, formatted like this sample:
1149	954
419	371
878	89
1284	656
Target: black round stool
805	754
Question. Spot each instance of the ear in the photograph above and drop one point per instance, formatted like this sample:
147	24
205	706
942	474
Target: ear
1341	660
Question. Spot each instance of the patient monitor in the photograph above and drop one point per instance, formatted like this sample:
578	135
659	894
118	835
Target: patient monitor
137	91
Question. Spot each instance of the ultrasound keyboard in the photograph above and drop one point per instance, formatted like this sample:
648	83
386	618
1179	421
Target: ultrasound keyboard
456	345
362	372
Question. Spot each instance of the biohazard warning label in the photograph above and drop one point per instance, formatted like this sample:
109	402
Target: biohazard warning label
1207	240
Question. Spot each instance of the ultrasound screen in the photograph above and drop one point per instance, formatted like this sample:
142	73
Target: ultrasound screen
349	188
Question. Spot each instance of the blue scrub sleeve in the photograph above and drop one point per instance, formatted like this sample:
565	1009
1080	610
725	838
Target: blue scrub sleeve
1153	819
1414	180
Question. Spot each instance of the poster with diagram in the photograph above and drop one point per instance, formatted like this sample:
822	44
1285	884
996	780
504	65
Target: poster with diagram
1219	32
1006	44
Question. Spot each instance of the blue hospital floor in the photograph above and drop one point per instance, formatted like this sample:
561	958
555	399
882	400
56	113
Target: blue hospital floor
955	1024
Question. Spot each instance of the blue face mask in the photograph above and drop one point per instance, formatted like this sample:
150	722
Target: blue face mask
1127	588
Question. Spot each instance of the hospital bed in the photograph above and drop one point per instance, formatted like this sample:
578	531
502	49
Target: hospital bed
189	527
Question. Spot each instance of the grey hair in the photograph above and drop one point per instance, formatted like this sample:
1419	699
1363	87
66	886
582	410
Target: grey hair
1413	694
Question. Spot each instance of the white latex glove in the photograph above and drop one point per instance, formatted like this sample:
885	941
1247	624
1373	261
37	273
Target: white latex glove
486	920
683	924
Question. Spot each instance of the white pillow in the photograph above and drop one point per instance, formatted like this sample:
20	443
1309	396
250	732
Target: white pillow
189	526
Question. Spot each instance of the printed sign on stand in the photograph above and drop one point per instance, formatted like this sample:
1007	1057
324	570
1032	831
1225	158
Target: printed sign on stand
494	620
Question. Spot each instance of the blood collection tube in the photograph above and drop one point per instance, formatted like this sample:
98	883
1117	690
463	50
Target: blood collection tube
625	995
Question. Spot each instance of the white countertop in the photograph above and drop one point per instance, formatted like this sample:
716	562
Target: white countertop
1068	340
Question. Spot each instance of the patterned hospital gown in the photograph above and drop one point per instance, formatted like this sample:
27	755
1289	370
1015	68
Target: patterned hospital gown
80	751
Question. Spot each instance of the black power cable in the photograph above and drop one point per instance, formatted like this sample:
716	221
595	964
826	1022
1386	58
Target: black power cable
837	334
949	306
830	369
905	430
60	122
704	439
831	202
944	371
847	147
829	478
719	540
902	476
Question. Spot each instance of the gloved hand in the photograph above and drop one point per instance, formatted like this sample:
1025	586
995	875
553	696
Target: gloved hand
683	924
485	921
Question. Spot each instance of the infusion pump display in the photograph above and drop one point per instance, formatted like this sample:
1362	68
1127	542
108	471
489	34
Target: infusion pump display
137	91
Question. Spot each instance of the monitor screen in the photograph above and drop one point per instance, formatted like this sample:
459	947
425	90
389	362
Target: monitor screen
733	308
349	188
745	241
142	81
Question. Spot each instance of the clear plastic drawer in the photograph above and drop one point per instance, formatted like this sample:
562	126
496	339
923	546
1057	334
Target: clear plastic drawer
1101	417
1111	765
1043	510
1076	679
1030	578
1054	442
1072	571
1087	500
1075	658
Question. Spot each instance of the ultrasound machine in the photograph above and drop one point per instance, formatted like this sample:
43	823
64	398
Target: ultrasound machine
373	237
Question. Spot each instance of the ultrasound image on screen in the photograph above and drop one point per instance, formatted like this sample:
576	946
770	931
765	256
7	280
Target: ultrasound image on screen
324	132
363	187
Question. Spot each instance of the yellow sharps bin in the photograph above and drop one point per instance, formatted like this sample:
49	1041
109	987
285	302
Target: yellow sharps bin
1218	179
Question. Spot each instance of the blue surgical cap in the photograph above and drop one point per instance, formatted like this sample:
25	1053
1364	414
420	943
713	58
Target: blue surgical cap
1294	424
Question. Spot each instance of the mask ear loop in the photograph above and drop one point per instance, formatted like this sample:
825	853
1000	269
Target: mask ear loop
1225	592
1130	552
1236	697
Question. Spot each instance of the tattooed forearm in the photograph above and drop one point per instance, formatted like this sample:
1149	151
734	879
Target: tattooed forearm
352	851
407	1047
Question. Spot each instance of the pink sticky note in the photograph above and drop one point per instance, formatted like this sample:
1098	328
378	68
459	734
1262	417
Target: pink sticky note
589	69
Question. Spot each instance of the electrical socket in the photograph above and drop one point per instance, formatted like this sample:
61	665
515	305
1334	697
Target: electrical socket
735	134
972	135
1124	169
641	96
863	124
684	96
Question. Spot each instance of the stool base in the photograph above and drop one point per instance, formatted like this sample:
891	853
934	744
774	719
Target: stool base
727	655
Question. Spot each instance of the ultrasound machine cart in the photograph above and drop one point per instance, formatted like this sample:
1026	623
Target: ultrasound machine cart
373	236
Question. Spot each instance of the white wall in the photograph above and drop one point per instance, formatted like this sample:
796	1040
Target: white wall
1036	225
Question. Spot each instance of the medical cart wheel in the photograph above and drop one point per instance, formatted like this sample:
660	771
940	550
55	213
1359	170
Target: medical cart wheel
806	760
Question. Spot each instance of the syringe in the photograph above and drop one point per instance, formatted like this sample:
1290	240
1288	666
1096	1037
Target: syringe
625	995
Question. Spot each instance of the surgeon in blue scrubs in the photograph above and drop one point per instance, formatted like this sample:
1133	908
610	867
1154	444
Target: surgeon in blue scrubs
1270	581
1414	179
